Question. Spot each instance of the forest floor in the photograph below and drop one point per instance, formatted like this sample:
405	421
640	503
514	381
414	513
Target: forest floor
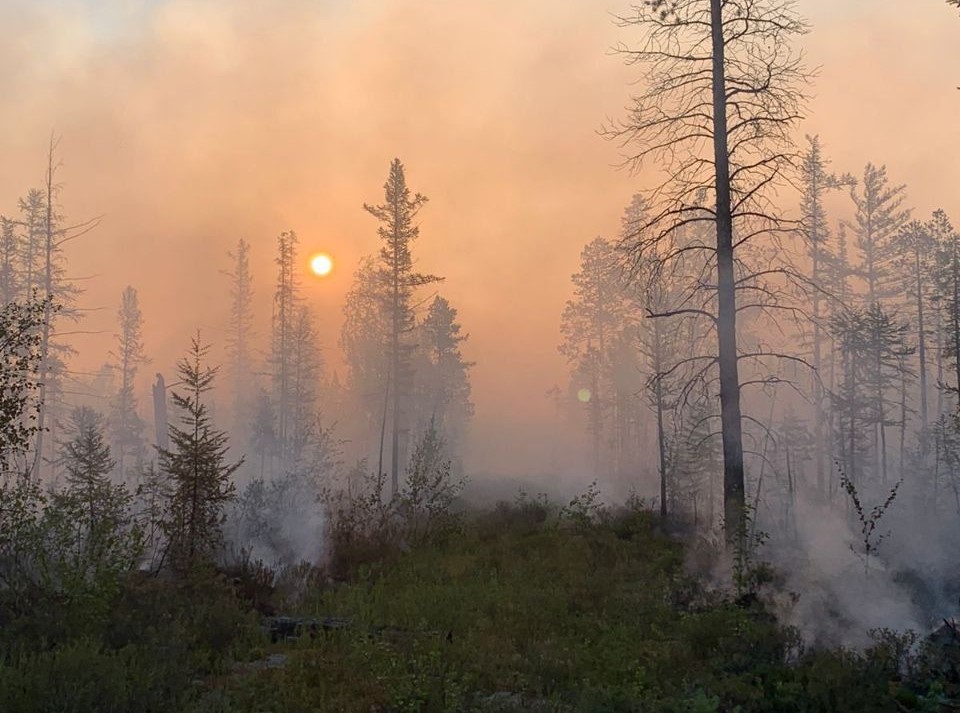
514	611
518	612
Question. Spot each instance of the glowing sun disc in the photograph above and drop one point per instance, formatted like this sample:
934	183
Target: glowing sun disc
321	264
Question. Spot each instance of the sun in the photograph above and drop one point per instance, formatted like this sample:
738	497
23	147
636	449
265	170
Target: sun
321	264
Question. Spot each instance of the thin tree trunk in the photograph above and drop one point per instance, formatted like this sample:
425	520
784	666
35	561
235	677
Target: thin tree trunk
817	361
395	367
955	317
47	309
921	345
903	417
661	436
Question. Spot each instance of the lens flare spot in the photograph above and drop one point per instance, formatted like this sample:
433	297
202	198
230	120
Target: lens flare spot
321	264
584	396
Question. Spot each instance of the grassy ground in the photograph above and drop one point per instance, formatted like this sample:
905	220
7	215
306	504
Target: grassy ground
513	612
513	615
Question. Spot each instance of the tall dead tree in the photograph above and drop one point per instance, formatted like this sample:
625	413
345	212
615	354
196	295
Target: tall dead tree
722	94
58	292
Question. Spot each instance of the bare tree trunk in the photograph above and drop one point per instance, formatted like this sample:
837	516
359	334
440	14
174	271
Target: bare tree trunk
903	418
819	416
383	424
395	368
733	472
661	436
47	309
939	362
955	315
921	344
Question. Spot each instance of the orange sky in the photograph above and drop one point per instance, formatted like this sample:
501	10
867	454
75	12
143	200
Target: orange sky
191	123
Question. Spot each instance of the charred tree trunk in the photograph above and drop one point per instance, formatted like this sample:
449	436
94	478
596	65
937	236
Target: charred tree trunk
733	471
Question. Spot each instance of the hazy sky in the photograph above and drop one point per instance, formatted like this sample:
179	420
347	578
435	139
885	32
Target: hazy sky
191	123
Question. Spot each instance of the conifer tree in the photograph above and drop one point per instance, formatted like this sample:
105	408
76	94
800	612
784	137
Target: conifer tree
590	325
286	305
94	536
9	265
917	250
45	271
879	218
816	233
240	334
851	403
306	375
947	274
397	230
126	424
32	211
445	381
263	430
197	466
364	336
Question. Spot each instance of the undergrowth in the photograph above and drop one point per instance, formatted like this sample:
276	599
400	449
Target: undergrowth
521	607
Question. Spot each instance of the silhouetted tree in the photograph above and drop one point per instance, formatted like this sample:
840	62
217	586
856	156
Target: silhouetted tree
948	296
816	233
197	466
917	248
306	374
263	430
444	380
240	334
46	272
9	268
721	97
103	529
125	424
364	336
880	217
286	306
590	325
397	230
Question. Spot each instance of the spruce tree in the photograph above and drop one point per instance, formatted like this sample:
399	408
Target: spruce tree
306	374
197	465
445	381
286	304
879	218
816	234
397	230
240	334
126	425
590	325
105	526
9	266
364	336
947	275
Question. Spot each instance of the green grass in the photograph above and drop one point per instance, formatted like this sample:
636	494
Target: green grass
513	616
